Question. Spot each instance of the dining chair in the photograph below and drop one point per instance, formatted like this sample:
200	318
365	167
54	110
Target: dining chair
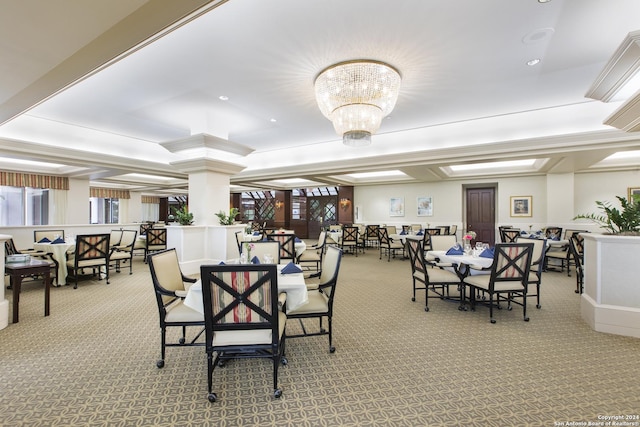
313	254
444	229
114	237
144	227
509	275
242	318
123	251
453	230
287	245
391	229
433	231
169	285
553	233
436	280
349	242
49	234
576	247
406	229
534	280
439	243
321	299
91	252
239	241
387	245
262	248
156	241
371	235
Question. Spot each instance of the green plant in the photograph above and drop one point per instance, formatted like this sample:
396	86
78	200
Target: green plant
230	219
615	221
183	216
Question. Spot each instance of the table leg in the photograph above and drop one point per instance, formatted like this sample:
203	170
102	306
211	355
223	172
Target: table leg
16	282
47	289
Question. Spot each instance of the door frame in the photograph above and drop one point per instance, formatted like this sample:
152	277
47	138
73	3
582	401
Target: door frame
494	186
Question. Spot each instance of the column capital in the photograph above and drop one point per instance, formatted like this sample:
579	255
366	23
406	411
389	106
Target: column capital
207	165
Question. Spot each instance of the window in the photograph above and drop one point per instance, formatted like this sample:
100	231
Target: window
24	206
104	210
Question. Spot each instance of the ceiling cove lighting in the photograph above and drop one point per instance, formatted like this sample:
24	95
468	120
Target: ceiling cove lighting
355	96
493	165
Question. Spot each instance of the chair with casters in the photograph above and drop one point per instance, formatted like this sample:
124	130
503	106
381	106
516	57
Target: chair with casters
371	235
436	280
321	298
553	233
349	242
387	245
287	245
313	254
576	248
537	266
144	227
170	289
261	248
242	317
10	249
51	235
114	237
92	252
156	241
123	251
509	275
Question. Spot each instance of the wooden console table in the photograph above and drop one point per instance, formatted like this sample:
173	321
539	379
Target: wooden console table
18	270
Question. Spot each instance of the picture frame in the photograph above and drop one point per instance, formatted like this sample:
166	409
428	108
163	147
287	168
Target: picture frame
396	206
521	206
424	206
632	191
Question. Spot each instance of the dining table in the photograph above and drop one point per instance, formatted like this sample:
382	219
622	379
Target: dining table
59	252
292	284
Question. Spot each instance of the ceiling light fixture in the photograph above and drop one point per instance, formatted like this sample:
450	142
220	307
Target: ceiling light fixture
355	96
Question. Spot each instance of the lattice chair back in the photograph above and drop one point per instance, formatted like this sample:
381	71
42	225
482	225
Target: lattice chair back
509	235
156	240
511	263
383	236
554	233
372	231
92	251
287	244
144	227
433	231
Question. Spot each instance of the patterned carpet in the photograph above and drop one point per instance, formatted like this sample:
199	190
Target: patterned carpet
92	362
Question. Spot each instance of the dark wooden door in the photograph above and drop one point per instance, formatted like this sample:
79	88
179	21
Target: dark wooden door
322	211
481	213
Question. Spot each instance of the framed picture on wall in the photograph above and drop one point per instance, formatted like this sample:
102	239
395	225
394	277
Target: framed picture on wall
633	191
425	206
521	206
396	206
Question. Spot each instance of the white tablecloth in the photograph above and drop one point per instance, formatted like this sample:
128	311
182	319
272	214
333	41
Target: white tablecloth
59	251
292	284
464	260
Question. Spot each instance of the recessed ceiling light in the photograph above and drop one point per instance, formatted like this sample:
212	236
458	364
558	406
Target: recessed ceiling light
544	1
223	98
273	120
533	62
538	35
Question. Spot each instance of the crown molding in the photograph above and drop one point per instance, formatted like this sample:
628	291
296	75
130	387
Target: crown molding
207	165
204	140
620	68
627	117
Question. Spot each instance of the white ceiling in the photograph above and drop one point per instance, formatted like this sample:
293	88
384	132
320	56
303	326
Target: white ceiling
94	87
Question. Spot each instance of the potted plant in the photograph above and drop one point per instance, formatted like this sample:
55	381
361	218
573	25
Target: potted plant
183	216
230	219
614	221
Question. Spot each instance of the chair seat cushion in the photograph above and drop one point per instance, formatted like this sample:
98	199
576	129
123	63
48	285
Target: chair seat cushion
318	303
309	256
438	275
88	263
396	245
120	255
248	337
482	281
178	312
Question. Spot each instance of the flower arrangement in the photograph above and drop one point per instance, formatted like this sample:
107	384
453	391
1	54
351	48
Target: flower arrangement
469	235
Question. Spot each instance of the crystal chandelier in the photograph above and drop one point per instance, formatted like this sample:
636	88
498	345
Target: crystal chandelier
355	96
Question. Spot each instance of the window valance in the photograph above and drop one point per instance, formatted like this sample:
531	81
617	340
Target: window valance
109	193
16	179
151	199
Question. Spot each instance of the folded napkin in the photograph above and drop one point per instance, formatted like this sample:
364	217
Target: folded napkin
44	240
57	241
402	233
487	253
265	240
297	240
420	233
556	238
523	232
222	263
255	260
456	250
256	233
290	268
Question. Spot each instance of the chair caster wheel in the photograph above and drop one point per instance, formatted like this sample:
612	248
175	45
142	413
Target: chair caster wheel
221	363
277	393
160	363
426	309
284	361
538	306
493	320
332	349
212	397
181	341
413	299
323	330
576	291
509	308
526	319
